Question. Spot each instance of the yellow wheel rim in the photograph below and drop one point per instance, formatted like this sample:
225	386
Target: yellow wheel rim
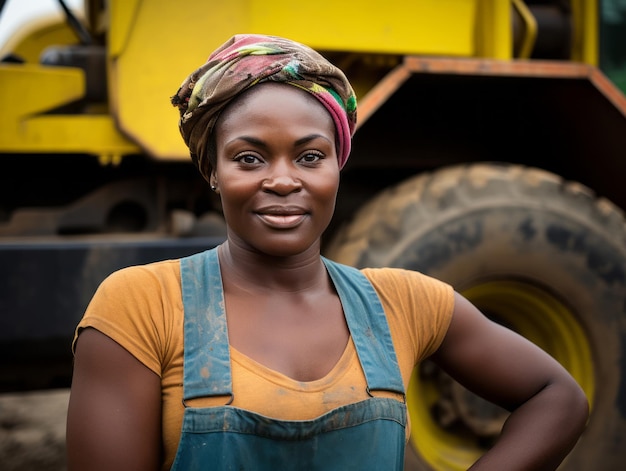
527	309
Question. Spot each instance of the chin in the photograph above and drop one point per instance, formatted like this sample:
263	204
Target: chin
285	248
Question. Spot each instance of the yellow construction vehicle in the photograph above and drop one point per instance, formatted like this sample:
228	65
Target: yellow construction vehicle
490	152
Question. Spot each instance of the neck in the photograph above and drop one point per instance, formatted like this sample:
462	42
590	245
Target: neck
252	271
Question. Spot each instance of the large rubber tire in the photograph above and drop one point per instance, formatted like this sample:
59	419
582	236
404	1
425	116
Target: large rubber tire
543	256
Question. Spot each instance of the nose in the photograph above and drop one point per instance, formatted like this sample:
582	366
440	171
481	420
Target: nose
282	179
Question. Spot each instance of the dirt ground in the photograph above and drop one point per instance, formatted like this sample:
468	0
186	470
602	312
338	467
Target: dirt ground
32	430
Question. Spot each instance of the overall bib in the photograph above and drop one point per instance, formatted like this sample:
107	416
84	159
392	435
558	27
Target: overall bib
367	435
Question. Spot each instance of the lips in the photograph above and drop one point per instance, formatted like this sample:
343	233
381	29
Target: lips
282	217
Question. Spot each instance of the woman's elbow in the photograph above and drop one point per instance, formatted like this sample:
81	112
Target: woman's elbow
580	405
575	405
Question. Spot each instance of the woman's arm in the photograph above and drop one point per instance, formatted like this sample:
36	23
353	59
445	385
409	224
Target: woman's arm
549	409
114	415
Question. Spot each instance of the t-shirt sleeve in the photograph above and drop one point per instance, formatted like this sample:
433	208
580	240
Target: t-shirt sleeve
418	307
132	306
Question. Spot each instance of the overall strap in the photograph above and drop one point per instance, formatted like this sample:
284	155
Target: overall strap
368	327
206	370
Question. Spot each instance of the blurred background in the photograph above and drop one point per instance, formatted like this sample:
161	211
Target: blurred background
490	153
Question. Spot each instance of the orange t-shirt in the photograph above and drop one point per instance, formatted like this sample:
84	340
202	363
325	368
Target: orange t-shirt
141	308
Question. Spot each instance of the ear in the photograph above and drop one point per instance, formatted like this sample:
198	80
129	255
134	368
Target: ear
213	182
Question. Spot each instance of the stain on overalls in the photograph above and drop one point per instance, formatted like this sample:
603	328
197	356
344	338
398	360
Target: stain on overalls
367	435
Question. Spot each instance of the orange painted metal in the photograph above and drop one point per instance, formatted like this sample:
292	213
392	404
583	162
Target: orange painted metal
486	67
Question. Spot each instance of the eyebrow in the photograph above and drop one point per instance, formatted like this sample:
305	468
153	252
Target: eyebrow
310	137
261	143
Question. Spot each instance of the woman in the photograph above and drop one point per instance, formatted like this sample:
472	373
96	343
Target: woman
290	361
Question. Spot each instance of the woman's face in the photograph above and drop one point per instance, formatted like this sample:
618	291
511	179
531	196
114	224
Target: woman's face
277	171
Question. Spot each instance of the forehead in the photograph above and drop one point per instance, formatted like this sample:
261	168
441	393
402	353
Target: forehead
270	97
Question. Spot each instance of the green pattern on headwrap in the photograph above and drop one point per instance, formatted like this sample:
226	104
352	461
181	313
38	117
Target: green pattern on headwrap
292	69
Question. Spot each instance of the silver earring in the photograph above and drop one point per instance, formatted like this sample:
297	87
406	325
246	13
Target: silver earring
213	187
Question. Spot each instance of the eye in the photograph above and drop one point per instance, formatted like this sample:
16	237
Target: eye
310	158
247	159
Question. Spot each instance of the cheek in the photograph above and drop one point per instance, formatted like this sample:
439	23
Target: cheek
235	195
332	191
333	180
328	192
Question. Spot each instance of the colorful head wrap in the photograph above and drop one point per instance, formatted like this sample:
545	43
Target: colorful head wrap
246	60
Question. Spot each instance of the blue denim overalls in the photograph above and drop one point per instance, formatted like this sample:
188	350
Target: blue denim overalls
367	435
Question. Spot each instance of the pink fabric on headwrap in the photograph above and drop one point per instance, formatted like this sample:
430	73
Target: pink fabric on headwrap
246	60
